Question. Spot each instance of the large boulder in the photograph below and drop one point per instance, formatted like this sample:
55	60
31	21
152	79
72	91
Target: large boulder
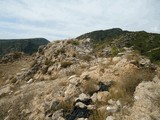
146	106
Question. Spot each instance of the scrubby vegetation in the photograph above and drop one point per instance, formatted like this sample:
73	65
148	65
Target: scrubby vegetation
28	46
125	87
146	43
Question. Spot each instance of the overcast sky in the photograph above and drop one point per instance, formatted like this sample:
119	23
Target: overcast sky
60	19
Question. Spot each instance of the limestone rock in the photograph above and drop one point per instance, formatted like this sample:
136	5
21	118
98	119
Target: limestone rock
112	109
82	119
74	80
71	90
94	97
116	59
30	81
58	115
91	107
110	118
111	102
83	97
102	96
80	105
144	107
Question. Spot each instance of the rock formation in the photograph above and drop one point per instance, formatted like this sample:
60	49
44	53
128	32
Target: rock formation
68	80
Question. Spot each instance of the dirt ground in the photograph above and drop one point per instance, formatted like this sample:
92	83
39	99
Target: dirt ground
12	68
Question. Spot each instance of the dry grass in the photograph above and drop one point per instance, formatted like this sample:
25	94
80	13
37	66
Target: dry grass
125	87
11	69
90	86
1	81
86	58
73	42
65	64
98	115
63	83
48	62
33	63
67	106
74	70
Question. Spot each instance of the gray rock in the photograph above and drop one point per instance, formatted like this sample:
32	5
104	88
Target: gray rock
82	119
54	105
94	97
112	109
74	80
30	81
7	118
83	97
85	76
80	105
110	118
58	115
71	90
71	77
91	107
111	102
145	62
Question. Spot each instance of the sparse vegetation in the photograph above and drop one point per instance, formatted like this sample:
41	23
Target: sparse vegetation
114	50
86	58
98	115
28	46
73	42
90	86
142	41
125	87
65	64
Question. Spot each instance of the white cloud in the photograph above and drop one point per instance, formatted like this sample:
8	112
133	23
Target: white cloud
55	19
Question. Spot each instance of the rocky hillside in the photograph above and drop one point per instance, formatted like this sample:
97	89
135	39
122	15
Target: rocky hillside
146	43
27	46
73	80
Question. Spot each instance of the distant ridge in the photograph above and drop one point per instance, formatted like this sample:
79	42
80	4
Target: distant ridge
28	46
147	44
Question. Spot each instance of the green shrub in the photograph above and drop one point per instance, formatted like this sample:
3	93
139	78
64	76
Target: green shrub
114	50
154	55
76	43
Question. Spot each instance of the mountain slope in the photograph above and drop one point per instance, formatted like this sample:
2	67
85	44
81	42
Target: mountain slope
28	46
146	43
68	80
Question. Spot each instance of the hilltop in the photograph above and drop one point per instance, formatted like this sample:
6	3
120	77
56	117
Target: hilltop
96	76
28	46
147	44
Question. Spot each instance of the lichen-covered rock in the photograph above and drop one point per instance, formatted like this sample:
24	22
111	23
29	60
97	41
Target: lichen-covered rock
146	107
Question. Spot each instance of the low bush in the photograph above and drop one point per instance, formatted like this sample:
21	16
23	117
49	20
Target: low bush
65	64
